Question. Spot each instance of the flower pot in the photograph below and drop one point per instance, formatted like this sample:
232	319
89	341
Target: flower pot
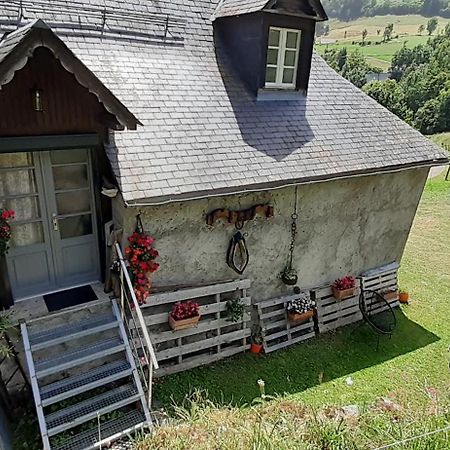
184	323
342	294
256	348
390	295
6	297
403	297
303	317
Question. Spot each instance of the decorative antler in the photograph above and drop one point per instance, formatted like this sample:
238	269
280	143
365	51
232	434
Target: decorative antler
236	217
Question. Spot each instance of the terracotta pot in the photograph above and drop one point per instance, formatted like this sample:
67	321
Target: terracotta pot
6	297
184	323
297	318
390	295
403	297
256	348
343	294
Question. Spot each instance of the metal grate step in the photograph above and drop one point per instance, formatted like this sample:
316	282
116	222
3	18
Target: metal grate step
91	408
79	356
47	338
111	430
69	387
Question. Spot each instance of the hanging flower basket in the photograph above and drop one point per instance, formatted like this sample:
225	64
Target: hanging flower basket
6	297
344	288
184	315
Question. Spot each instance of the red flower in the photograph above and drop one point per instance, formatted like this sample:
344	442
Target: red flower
341	284
185	310
141	254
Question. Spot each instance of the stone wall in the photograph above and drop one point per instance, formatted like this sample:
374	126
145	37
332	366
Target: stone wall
344	226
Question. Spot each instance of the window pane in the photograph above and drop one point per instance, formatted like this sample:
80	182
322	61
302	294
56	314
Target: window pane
16	160
274	38
68	156
26	234
26	208
271	75
73	202
291	39
288	76
289	58
272	56
17	182
75	226
70	177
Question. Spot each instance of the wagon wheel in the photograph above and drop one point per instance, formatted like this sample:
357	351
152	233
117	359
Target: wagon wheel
382	322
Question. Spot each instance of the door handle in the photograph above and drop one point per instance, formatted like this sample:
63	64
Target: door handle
55	222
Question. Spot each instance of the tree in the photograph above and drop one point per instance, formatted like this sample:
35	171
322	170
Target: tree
378	31
364	35
389	94
421	29
387	35
356	69
408	58
428	117
432	25
322	29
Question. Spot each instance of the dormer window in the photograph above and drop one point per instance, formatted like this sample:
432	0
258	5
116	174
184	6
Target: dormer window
282	58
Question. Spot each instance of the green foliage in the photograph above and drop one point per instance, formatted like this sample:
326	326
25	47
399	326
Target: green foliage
391	96
352	9
387	35
432	25
4	325
235	310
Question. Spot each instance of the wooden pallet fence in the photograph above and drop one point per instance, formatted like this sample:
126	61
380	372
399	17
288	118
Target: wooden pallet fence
277	329
381	280
332	313
214	338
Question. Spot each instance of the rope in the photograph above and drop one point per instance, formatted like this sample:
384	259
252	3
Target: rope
404	441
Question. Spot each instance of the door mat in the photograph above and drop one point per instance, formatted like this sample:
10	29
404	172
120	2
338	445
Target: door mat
69	297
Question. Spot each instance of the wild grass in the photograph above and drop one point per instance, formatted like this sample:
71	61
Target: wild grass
286	424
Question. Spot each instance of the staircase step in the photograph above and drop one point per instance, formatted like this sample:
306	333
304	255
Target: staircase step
86	410
78	356
47	338
100	376
112	429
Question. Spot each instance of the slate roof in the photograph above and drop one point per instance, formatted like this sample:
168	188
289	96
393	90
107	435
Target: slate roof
226	8
204	133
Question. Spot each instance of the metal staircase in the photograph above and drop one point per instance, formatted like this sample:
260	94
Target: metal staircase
85	379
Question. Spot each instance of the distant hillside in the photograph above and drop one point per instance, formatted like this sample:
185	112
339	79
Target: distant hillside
353	9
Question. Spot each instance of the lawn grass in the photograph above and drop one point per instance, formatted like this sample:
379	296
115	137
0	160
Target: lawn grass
315	372
442	139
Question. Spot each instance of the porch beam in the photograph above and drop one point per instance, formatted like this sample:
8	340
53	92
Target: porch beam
51	142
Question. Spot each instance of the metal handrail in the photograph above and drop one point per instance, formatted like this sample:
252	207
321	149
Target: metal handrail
128	297
137	308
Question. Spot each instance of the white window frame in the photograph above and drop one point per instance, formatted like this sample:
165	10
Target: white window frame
280	66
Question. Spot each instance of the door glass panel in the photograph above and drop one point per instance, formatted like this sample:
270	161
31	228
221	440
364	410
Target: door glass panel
68	156
70	177
26	234
71	227
10	160
16	182
26	208
73	202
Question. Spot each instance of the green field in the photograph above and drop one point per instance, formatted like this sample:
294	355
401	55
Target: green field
342	34
442	139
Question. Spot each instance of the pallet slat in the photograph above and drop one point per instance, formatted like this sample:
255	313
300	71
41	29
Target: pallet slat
214	338
278	331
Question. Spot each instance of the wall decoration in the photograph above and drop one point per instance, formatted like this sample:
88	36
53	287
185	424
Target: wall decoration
239	217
